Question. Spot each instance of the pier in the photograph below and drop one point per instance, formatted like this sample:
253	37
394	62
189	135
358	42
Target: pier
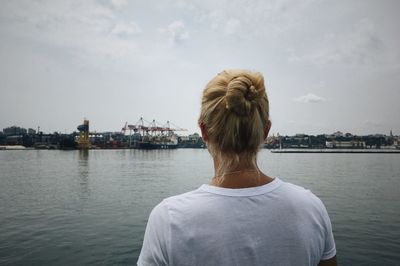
335	150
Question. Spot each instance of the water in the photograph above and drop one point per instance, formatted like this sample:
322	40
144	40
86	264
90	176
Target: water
90	208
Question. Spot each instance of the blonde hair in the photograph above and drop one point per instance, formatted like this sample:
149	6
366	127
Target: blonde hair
235	112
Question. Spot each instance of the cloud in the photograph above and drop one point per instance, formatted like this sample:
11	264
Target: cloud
232	26
117	4
176	32
248	19
362	45
124	28
76	27
309	98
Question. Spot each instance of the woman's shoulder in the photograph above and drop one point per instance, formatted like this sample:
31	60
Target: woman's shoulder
298	190
302	197
184	200
177	206
178	199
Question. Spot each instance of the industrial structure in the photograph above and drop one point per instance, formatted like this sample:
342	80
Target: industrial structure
151	135
83	140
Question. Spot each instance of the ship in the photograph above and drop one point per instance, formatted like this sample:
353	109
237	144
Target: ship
150	135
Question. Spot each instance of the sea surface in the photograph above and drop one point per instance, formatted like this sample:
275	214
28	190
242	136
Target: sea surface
91	208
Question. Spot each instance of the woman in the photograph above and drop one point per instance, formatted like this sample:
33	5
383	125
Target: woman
242	217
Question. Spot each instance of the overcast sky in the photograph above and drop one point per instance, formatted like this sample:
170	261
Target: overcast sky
328	65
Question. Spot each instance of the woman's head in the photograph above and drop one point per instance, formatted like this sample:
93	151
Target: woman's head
234	116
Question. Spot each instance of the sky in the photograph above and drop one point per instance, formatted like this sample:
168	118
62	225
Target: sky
328	65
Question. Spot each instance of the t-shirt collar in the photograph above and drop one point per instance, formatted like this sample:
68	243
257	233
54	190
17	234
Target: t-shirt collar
242	192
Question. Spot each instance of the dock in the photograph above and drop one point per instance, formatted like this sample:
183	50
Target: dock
335	150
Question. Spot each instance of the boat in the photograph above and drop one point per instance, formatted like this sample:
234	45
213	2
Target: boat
150	135
152	143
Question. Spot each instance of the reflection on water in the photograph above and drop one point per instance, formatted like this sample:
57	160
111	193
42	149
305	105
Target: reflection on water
91	207
83	170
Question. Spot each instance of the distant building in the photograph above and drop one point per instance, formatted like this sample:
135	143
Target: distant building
14	131
2	138
194	137
14	140
31	131
345	144
191	141
338	134
184	138
396	142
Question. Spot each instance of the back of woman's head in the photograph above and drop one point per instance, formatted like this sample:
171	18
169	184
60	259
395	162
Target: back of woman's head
234	114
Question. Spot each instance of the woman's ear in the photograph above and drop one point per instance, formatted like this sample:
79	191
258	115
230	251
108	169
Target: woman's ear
267	128
203	131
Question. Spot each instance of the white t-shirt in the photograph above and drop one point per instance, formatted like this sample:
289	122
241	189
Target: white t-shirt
275	224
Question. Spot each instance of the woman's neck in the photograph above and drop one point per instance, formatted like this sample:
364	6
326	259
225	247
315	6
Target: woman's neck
242	176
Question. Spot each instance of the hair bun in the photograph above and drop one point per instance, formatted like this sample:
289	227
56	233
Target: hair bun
241	95
251	93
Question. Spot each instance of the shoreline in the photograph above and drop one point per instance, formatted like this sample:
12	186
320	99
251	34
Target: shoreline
395	151
300	150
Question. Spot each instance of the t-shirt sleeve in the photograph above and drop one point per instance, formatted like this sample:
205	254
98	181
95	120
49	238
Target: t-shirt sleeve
156	238
330	247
